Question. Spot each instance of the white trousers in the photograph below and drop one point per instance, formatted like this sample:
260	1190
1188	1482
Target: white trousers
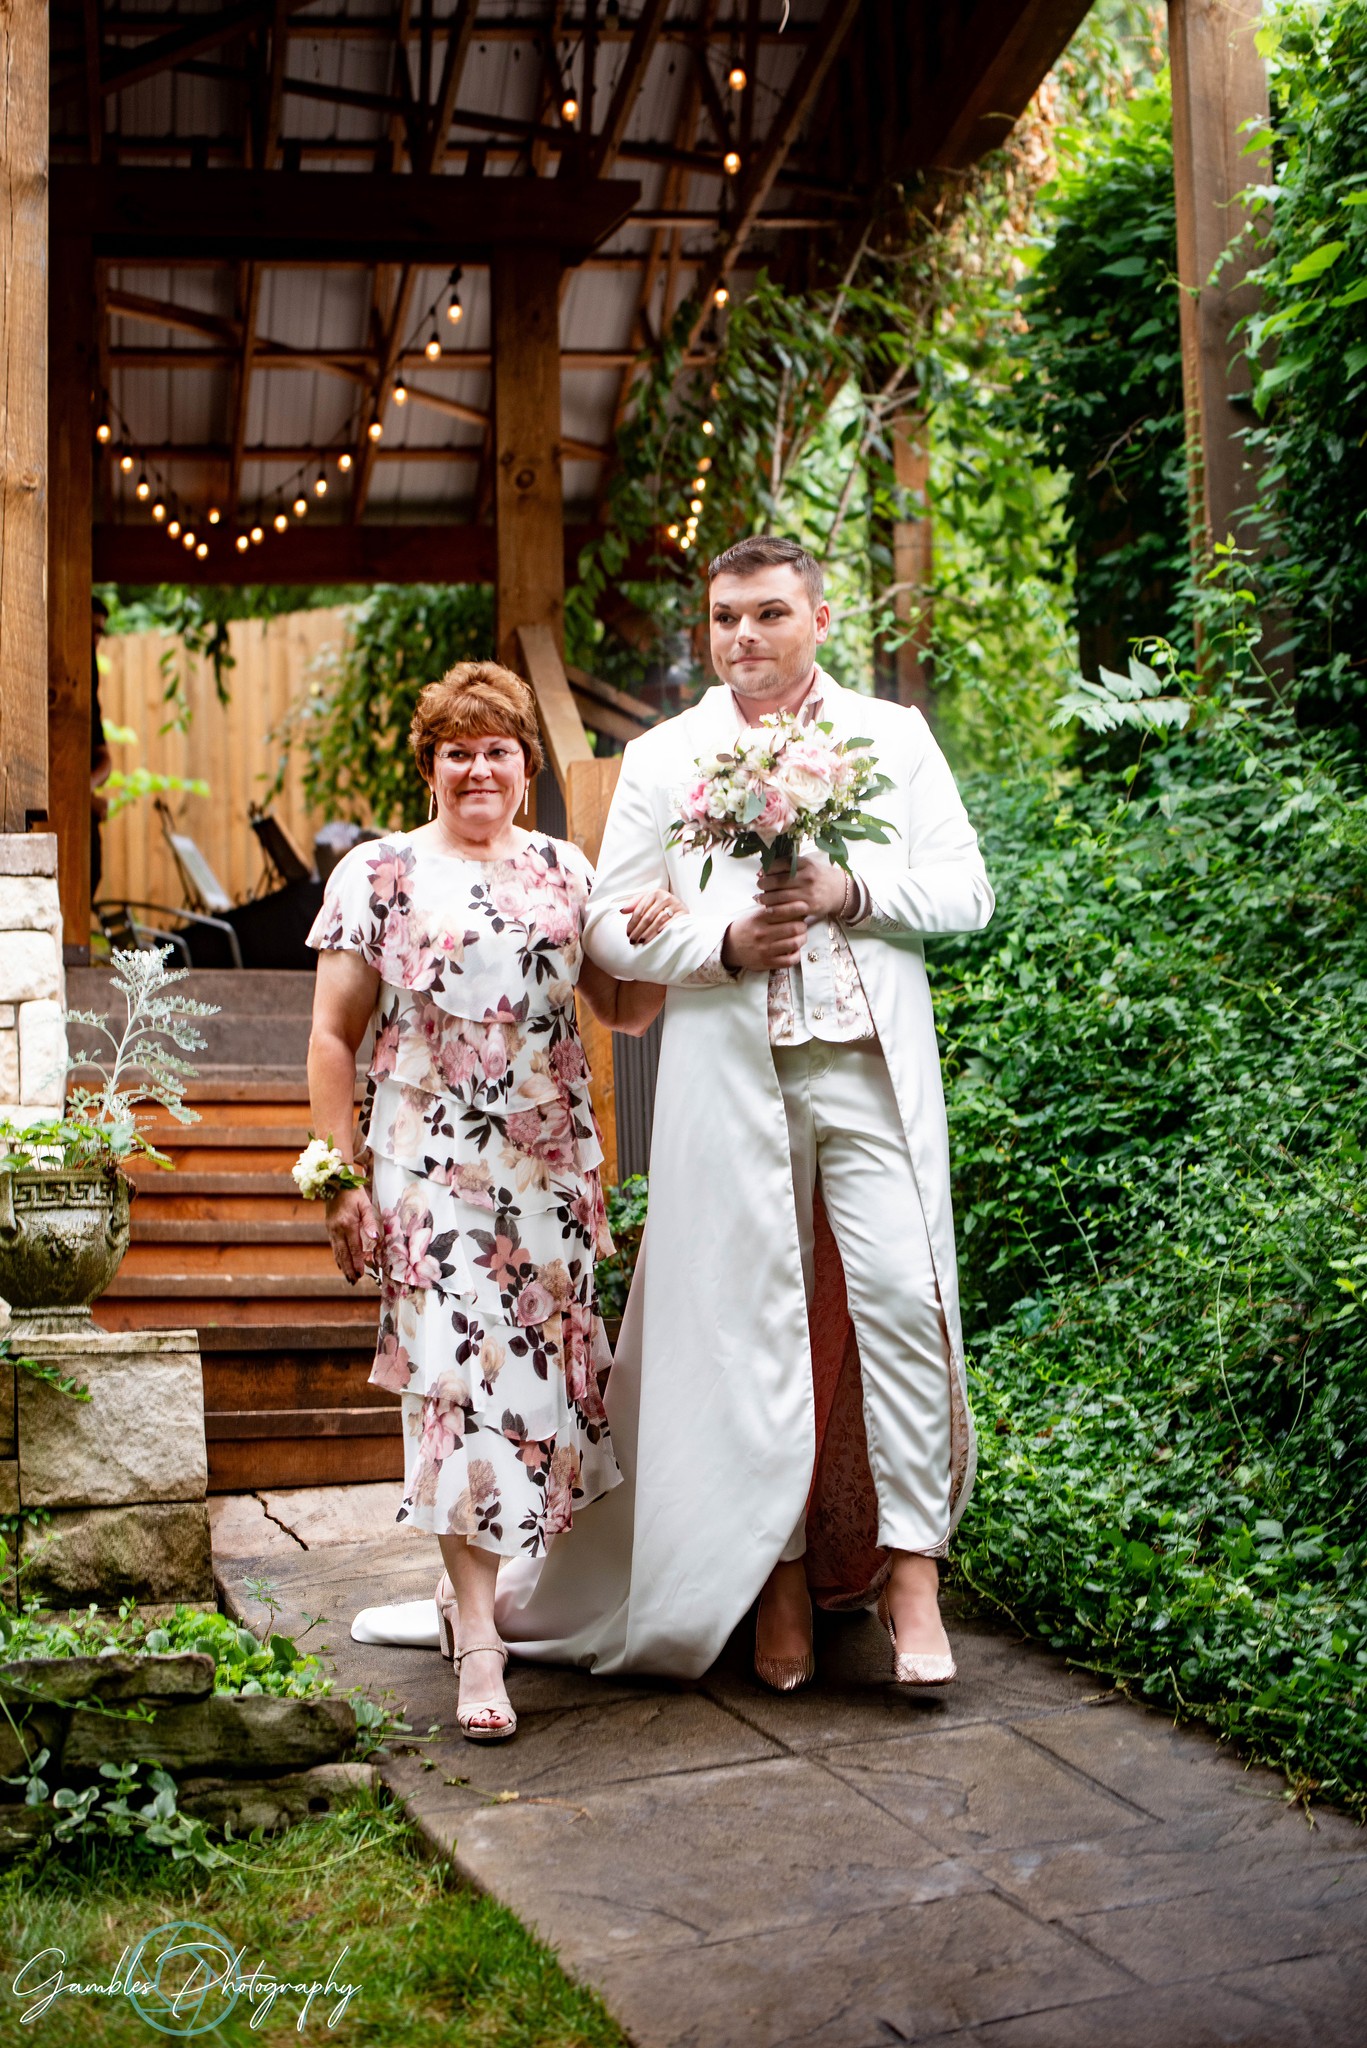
844	1127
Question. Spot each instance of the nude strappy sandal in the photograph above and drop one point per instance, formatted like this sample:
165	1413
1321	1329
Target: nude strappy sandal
467	1715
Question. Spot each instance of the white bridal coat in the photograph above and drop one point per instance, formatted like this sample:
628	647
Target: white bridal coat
711	1398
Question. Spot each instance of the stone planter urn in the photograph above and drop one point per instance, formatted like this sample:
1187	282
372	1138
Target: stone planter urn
63	1233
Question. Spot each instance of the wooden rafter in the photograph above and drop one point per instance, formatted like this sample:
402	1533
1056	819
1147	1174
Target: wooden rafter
249	274
757	179
196	34
94	98
459	37
631	78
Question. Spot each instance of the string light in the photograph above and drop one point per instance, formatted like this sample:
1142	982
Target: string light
569	110
202	550
720	295
673	532
695	506
280	522
730	163
174	528
125	462
433	349
704	464
301	506
375	430
708	427
242	543
736	78
159	510
455	312
214	515
684	541
320	485
144	489
700	482
187	539
103	432
400	394
258	534
344	461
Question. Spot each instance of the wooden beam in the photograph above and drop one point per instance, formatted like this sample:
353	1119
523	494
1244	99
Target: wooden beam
588	793
305	553
162	53
969	104
23	417
528	493
459	34
630	79
94	98
757	179
1218	85
498	28
289	217
400	284
537	657
166	313
71	438
913	562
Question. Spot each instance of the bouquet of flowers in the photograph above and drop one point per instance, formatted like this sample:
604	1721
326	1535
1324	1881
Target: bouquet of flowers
783	784
320	1172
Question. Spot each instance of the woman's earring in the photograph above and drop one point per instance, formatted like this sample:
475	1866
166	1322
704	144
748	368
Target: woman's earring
431	805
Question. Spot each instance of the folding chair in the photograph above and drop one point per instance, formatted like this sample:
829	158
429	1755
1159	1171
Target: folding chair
201	885
281	852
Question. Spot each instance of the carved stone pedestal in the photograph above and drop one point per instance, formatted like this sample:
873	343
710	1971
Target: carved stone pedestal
121	1479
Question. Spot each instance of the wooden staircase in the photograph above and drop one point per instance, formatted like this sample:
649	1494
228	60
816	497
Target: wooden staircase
226	1245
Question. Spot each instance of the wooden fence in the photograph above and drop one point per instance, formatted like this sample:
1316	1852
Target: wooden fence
227	746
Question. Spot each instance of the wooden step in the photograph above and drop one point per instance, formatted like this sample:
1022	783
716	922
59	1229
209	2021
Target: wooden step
272	1261
226	1230
270	1464
165	1201
153	1181
126	1286
195	1307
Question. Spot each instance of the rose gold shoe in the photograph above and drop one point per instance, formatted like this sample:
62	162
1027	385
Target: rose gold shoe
474	1718
448	1619
784	1674
915	1667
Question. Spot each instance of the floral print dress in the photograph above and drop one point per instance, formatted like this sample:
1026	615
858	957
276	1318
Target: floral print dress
484	1157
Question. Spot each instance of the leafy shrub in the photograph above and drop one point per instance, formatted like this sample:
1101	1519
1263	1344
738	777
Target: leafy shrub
1309	342
626	1206
244	1663
1155	1061
1099	375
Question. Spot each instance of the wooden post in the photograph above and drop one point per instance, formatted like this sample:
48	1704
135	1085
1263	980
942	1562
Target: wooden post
913	560
588	792
529	513
71	439
23	415
1219	85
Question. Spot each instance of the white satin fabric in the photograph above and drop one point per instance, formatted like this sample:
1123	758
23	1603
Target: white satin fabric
711	1397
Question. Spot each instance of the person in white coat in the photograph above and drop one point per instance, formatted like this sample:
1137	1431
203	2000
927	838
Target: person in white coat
764	1454
798	1046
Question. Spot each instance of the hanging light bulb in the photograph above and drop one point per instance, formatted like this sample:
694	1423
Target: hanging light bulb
569	110
320	485
144	489
159	510
704	464
720	295
202	550
214	515
400	394
280	522
344	461
455	312
242	543
103	432
187	539
174	528
708	427
700	482
685	541
258	534
301	506
695	507
736	78
730	163
125	462
375	430
672	531
432	350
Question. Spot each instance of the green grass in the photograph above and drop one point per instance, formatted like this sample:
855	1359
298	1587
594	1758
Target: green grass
432	1961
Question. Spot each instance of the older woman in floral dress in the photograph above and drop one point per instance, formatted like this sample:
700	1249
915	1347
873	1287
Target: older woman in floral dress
484	1215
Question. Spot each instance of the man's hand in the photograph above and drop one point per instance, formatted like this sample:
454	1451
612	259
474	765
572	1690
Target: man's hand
765	938
814	888
354	1231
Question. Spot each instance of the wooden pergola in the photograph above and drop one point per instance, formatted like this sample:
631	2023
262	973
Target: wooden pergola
234	228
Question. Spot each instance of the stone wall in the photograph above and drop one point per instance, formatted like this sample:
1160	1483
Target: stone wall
32	986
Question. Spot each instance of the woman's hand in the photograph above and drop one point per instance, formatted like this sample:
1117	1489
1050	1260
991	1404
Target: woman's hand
648	915
354	1232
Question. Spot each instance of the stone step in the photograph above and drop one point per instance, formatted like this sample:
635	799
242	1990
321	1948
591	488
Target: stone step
264	992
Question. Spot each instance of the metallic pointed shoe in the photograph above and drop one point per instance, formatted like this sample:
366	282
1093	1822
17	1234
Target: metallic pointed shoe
912	1667
785	1674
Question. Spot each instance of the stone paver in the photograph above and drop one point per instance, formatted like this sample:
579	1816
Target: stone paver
1024	1860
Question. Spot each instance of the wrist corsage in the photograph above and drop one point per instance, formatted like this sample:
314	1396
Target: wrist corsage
320	1172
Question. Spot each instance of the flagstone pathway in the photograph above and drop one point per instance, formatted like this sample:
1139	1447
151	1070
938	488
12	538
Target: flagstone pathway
1023	1861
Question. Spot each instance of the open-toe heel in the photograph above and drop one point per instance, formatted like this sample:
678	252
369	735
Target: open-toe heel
476	1710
